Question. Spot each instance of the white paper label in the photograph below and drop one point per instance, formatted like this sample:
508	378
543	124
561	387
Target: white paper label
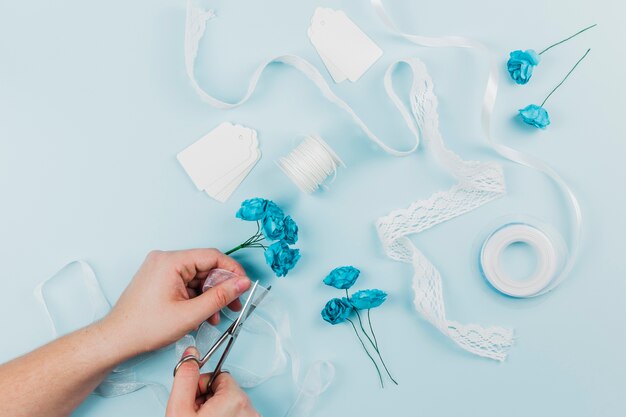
221	160
345	49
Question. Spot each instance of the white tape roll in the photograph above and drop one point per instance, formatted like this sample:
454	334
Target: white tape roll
549	252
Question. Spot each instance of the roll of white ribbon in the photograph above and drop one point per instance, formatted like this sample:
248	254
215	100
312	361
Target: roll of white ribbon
548	248
310	164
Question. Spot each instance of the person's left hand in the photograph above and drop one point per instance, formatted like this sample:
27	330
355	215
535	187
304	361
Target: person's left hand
164	300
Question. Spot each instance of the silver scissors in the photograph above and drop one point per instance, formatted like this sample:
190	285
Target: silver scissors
229	335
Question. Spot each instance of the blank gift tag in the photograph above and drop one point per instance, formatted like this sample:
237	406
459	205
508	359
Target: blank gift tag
248	155
222	188
334	71
225	193
221	160
345	49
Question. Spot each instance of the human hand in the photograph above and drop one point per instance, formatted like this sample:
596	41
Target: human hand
164	301
192	397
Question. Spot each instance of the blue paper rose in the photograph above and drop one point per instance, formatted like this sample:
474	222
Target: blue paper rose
337	311
273	222
253	209
281	258
366	299
291	230
342	278
521	65
535	116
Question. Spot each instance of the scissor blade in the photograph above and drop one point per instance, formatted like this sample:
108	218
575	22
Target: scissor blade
256	302
244	310
251	306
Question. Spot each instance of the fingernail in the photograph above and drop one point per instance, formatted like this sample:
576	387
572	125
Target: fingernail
191	351
242	284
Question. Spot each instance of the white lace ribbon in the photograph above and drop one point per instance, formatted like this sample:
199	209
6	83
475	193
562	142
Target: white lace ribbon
123	379
489	100
478	182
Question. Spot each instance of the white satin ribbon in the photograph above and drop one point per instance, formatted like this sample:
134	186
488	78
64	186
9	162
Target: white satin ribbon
489	99
197	18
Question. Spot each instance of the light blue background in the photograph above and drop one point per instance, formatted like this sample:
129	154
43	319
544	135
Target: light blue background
95	104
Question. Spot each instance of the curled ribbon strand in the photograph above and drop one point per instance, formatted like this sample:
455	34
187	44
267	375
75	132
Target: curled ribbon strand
194	31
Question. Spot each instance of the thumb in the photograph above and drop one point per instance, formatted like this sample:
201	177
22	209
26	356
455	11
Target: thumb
185	386
214	299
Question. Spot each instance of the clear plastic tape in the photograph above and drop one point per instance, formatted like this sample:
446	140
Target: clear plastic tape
123	379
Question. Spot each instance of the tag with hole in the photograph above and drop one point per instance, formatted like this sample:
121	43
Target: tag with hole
221	160
344	48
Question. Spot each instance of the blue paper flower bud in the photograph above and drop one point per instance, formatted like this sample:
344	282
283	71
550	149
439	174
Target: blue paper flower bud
337	311
281	258
521	65
366	299
291	231
253	209
342	278
273	222
535	116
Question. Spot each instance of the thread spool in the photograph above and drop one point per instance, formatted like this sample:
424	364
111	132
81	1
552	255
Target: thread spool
310	163
548	247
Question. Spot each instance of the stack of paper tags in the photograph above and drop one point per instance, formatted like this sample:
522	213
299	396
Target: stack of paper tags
221	160
345	49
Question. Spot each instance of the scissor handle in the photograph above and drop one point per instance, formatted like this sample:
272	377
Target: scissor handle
230	334
184	359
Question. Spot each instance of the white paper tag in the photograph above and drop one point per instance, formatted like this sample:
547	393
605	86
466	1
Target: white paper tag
345	49
221	160
224	194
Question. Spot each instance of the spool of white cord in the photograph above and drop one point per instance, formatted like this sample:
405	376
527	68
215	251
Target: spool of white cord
310	164
549	249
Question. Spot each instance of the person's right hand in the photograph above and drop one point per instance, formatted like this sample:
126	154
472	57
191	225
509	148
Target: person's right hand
192	397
